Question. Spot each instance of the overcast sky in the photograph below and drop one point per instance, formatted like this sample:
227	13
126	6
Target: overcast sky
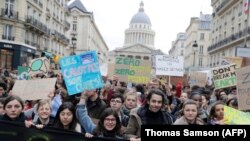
168	17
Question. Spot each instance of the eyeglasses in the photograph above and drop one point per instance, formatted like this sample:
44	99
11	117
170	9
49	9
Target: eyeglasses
110	119
115	101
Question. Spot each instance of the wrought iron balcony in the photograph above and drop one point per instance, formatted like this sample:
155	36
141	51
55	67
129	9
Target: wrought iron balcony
38	25
10	14
234	37
10	38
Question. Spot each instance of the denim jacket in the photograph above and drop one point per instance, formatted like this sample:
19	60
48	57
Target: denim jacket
84	119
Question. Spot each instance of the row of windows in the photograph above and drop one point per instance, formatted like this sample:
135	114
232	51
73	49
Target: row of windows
136	57
140	26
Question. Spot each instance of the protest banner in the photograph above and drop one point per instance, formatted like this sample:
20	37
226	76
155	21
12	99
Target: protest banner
22	73
111	69
243	88
81	72
198	78
39	65
34	89
225	76
236	117
232	60
169	65
132	70
13	131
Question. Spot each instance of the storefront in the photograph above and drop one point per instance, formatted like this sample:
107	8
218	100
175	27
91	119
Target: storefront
14	55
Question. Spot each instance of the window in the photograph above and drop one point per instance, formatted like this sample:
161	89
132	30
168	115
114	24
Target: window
145	58
201	49
74	27
138	57
202	36
8	32
6	58
200	62
182	44
182	53
9	7
130	56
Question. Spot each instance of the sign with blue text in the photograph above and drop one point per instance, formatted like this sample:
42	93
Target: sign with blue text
81	72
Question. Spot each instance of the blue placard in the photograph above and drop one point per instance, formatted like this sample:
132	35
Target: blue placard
81	72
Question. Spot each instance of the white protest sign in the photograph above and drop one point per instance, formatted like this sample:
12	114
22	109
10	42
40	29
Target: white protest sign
34	89
169	65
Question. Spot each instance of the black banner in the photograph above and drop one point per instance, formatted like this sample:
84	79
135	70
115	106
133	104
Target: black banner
18	132
196	132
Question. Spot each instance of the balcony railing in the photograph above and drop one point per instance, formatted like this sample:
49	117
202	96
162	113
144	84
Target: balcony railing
225	5
33	44
230	39
27	42
35	23
10	38
35	1
11	14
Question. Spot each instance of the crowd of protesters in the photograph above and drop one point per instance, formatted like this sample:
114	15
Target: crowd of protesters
116	110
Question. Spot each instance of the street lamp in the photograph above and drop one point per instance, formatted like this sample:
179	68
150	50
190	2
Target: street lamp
73	39
195	46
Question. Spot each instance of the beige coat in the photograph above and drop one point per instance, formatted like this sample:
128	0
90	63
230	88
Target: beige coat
134	125
182	121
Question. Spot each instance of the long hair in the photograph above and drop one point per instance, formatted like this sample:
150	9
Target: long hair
212	111
71	107
101	129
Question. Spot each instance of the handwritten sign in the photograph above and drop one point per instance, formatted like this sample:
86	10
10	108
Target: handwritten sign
232	60
39	65
236	117
225	76
198	78
34	89
169	65
81	72
243	88
132	70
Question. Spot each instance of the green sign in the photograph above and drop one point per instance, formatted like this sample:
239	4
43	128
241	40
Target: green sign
22	73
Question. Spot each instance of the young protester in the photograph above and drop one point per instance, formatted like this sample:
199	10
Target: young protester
189	114
216	116
13	106
151	113
66	118
44	115
109	124
129	103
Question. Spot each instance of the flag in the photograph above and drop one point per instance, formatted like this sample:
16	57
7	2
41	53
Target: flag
246	6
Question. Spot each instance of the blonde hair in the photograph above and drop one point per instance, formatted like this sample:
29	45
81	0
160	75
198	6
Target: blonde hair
43	102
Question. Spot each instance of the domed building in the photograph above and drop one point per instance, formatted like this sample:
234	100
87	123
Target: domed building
139	38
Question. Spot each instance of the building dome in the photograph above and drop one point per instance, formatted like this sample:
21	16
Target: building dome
141	16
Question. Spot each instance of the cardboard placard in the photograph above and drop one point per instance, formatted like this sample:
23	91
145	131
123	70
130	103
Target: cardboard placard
132	70
169	65
34	89
39	65
243	88
225	76
198	78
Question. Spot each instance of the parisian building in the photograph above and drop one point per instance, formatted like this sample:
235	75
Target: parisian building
196	43
139	39
85	32
177	48
230	30
29	27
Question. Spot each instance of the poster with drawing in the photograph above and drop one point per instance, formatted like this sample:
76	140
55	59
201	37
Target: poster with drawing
81	72
39	65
